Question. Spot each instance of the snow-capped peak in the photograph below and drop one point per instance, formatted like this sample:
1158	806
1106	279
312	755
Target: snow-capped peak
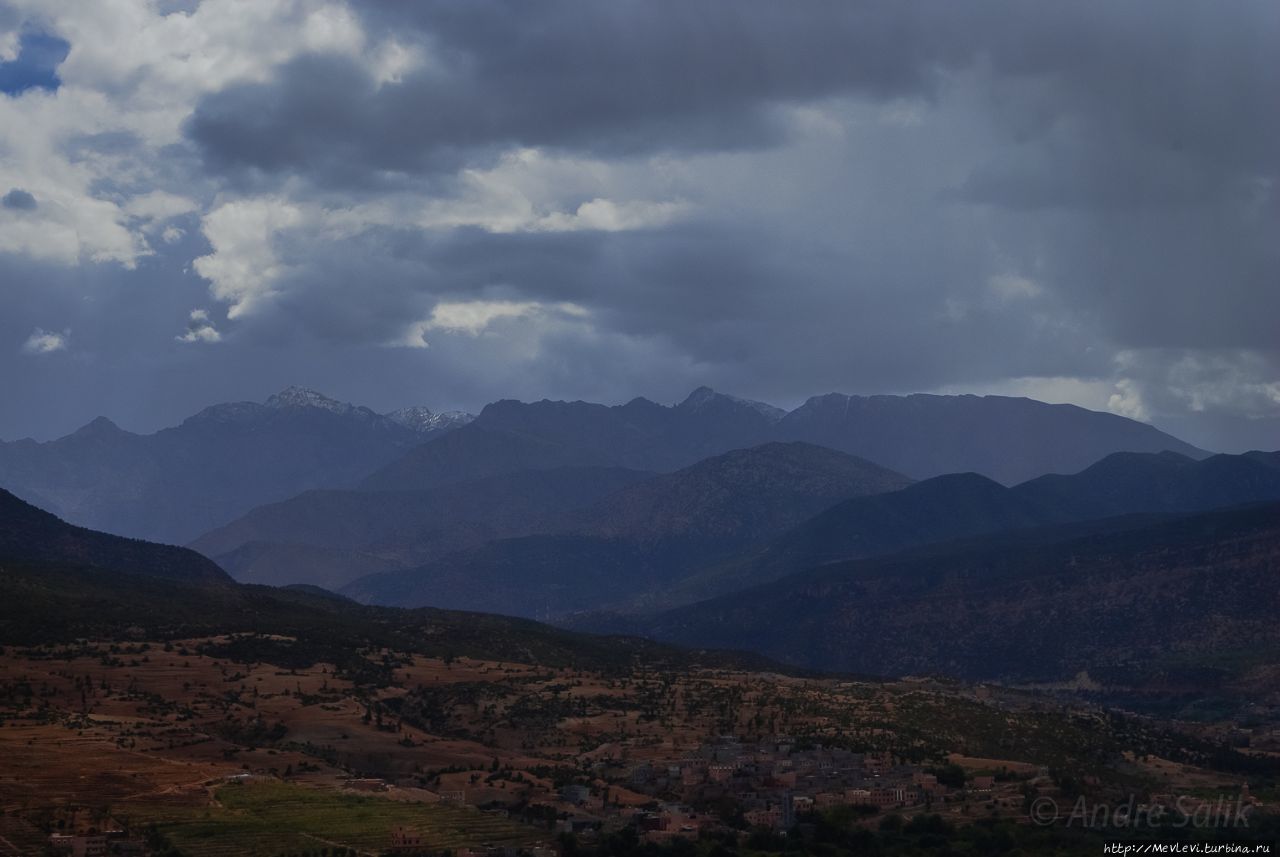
424	420
705	395
301	397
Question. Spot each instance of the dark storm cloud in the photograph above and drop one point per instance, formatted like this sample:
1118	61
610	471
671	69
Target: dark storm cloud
753	310
611	79
1188	80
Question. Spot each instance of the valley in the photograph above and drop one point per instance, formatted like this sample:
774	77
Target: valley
775	648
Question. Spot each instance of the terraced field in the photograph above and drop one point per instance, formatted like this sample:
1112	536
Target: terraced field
264	819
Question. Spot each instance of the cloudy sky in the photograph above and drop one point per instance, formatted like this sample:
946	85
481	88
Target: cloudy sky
447	203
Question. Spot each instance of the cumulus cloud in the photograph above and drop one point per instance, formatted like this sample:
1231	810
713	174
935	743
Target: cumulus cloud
244	265
159	205
45	342
476	317
200	328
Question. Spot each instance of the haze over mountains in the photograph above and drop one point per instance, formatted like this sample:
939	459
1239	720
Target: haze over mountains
609	562
183	481
331	537
704	523
179	482
640	539
1007	439
60	583
965	505
924	435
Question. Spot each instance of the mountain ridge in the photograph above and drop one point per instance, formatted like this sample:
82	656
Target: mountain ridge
651	564
967	505
1111	596
645	534
180	481
921	435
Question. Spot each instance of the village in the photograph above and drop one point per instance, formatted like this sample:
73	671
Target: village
775	783
138	749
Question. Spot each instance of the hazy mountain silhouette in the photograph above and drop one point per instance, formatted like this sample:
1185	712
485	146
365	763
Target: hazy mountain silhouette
333	537
966	504
643	536
179	482
678	539
640	435
1007	439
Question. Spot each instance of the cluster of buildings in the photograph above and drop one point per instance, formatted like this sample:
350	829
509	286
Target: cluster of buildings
405	840
728	784
109	843
772	782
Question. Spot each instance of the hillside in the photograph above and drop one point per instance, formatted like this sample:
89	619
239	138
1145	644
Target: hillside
1125	600
351	533
640	538
31	536
966	505
745	493
49	602
341	724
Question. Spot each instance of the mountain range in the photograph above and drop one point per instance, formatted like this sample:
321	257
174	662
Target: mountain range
927	435
806	555
666	542
182	481
1007	439
641	538
332	537
964	505
1147	599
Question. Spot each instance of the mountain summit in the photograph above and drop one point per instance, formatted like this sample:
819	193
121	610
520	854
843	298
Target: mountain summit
705	397
304	397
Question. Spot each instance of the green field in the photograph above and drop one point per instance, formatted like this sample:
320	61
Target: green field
264	819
